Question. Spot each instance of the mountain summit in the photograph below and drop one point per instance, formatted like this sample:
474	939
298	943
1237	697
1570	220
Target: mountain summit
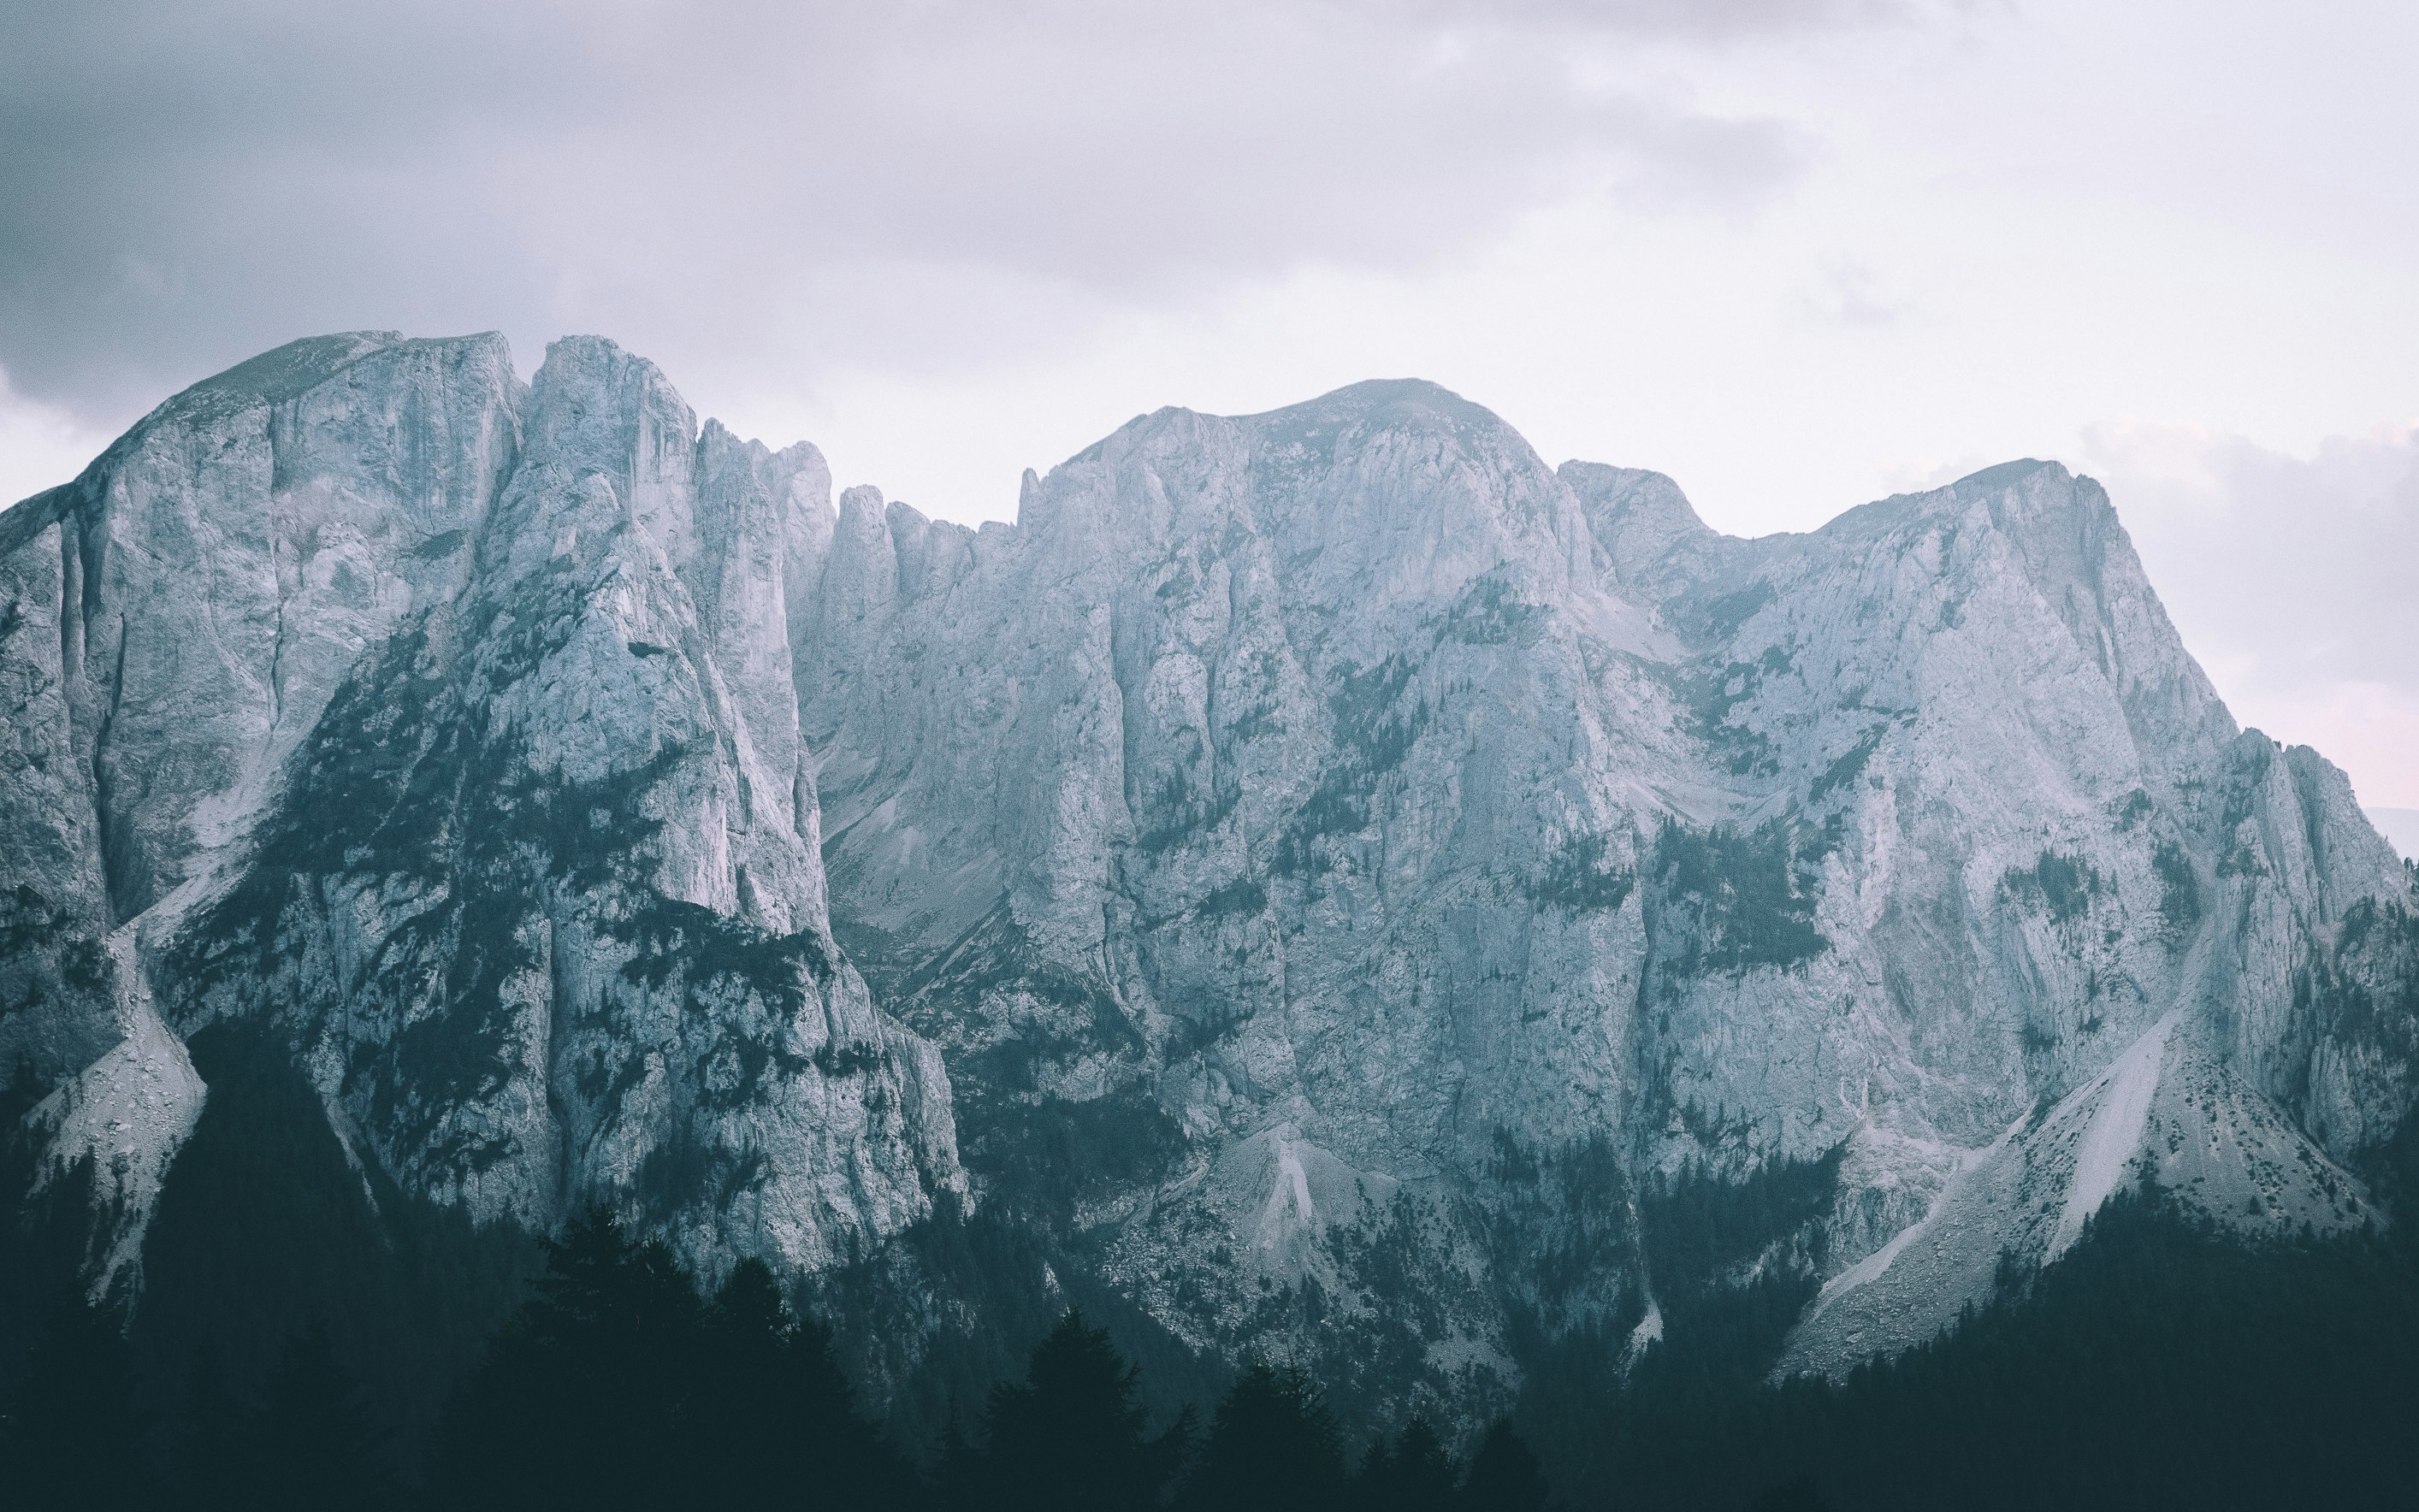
1326	881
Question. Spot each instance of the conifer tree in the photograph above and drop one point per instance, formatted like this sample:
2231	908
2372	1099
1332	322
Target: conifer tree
1413	1471
957	1476
578	1402
1273	1446
771	1420
74	1436
1071	1435
212	1437
1503	1474
312	1446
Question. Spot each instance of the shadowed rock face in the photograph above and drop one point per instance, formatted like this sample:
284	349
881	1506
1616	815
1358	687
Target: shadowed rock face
1359	881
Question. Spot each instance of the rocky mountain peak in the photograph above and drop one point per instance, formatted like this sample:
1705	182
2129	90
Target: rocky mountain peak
1380	406
1321	878
1639	517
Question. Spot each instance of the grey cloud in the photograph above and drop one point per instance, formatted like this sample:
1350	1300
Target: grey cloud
2297	567
187	183
2290	578
190	183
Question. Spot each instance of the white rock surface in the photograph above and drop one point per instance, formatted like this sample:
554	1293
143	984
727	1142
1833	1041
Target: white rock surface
1344	771
449	726
1328	869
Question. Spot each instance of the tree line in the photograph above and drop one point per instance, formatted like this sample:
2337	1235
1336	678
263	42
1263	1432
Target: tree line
620	1383
2164	1362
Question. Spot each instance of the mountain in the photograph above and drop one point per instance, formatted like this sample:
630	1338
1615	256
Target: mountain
1324	883
446	729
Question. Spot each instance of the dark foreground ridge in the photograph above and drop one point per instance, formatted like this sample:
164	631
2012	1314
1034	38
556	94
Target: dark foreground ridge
618	1383
2162	1364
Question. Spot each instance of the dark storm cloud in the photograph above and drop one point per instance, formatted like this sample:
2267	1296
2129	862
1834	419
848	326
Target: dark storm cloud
188	184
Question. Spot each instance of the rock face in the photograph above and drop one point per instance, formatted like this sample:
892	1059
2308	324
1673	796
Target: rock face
447	726
1348	887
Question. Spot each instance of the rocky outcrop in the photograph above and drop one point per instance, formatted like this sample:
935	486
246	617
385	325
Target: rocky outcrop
447	726
2167	1111
1344	885
1344	823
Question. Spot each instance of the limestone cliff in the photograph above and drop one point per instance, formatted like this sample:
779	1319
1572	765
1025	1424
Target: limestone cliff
1344	885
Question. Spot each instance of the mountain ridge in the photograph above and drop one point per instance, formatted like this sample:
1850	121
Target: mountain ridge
1320	872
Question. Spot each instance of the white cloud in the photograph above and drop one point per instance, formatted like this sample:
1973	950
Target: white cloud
1799	254
2294	579
765	190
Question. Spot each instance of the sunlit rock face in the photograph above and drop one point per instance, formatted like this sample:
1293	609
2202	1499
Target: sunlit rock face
1344	885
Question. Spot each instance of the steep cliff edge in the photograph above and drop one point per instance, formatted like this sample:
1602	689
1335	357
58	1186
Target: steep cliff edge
447	726
1351	865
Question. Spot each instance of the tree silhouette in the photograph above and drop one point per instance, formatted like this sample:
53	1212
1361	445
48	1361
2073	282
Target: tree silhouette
578	1402
771	1417
957	1477
1503	1474
73	1435
1273	1446
312	1445
1413	1471
1071	1435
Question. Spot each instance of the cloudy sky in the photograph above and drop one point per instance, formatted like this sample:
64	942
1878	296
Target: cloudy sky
1799	253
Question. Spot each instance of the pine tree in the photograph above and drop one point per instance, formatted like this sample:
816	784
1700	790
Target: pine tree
772	1399
215	1438
1412	1473
958	1478
74	1436
746	1407
579	1400
1273	1446
1072	1436
312	1445
1503	1474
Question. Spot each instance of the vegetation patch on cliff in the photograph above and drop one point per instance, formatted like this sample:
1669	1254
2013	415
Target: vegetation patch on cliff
1732	901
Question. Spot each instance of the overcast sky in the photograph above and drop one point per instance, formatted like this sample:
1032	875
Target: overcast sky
1799	253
